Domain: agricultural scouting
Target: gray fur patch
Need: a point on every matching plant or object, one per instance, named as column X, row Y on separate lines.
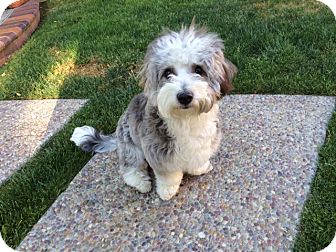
column 99, row 143
column 142, row 128
column 158, row 144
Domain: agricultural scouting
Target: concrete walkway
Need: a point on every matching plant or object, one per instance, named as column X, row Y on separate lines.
column 26, row 125
column 251, row 201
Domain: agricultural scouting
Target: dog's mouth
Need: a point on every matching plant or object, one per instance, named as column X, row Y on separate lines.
column 185, row 106
column 186, row 109
column 182, row 111
column 189, row 106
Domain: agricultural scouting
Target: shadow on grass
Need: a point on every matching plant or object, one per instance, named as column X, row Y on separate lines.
column 92, row 50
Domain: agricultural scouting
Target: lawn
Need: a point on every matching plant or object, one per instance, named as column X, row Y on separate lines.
column 93, row 49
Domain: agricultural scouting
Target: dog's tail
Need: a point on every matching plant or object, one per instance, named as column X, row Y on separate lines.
column 90, row 140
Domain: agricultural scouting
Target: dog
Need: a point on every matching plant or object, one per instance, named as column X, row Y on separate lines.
column 173, row 125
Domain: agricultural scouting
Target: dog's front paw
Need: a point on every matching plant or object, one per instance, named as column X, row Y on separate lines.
column 168, row 184
column 207, row 167
column 166, row 192
column 138, row 180
column 144, row 187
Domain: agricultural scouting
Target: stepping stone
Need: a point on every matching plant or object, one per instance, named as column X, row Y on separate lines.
column 26, row 125
column 251, row 201
column 17, row 27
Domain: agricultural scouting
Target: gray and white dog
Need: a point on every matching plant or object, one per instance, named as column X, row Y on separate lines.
column 172, row 126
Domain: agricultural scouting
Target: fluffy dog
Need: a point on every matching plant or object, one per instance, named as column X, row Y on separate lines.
column 172, row 126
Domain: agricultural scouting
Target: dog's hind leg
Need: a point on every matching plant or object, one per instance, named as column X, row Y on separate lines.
column 133, row 167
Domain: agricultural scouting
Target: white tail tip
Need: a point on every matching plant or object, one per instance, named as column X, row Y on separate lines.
column 81, row 134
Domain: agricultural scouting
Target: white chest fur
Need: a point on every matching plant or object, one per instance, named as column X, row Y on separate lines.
column 194, row 140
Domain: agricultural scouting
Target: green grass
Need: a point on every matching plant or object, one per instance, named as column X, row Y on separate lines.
column 318, row 219
column 93, row 49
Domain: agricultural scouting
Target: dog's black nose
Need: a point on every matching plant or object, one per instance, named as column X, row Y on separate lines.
column 185, row 97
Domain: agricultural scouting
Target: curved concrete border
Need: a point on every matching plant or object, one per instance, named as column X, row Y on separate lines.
column 15, row 31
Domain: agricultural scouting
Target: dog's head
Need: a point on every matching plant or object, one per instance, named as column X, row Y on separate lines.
column 186, row 73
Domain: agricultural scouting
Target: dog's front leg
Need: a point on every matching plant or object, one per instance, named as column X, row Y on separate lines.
column 168, row 183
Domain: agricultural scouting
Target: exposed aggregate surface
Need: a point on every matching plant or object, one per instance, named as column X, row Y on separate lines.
column 26, row 125
column 250, row 201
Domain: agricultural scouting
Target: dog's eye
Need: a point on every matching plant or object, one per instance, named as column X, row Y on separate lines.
column 199, row 70
column 167, row 73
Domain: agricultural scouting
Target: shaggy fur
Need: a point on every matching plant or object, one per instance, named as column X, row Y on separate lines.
column 173, row 125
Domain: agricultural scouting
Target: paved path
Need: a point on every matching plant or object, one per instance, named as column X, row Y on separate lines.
column 251, row 201
column 26, row 125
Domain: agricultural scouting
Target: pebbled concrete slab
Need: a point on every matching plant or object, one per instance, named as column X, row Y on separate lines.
column 26, row 125
column 251, row 201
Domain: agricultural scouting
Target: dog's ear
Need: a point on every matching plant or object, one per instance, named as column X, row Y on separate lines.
column 222, row 73
column 230, row 71
column 143, row 75
column 147, row 75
